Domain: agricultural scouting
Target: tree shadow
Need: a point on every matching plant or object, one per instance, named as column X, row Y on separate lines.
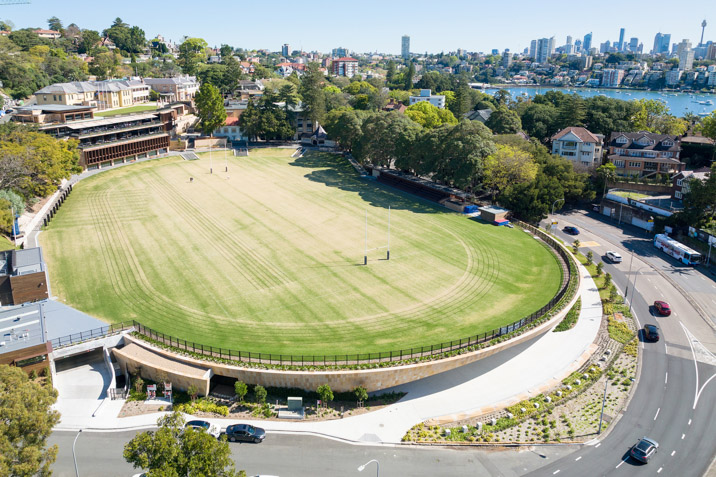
column 335, row 171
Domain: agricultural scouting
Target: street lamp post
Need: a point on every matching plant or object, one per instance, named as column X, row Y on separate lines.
column 604, row 400
column 377, row 471
column 74, row 456
column 631, row 260
column 551, row 226
column 633, row 287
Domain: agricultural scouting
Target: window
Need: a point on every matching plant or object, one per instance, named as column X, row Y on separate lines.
column 586, row 153
column 568, row 153
column 619, row 151
column 622, row 140
column 619, row 163
column 667, row 142
column 634, row 164
column 680, row 182
column 678, row 194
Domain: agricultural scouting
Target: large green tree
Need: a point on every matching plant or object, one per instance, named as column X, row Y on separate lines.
column 504, row 121
column 175, row 451
column 210, row 108
column 26, row 421
column 127, row 39
column 429, row 116
column 700, row 201
column 653, row 116
column 539, row 120
column 506, row 167
column 345, row 126
column 314, row 98
column 192, row 51
column 382, row 141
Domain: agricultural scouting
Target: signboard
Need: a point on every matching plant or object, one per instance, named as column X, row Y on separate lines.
column 168, row 391
column 152, row 391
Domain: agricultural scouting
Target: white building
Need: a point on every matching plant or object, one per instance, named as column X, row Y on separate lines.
column 673, row 77
column 612, row 77
column 426, row 95
column 578, row 145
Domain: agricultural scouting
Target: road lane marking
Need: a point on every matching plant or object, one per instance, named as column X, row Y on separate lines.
column 666, row 350
column 682, row 436
column 659, row 471
column 597, row 445
column 689, row 421
column 666, row 378
column 657, row 413
column 577, row 459
column 672, row 453
column 620, row 464
column 704, row 355
column 555, row 472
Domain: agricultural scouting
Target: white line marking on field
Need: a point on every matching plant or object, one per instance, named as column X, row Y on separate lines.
column 659, row 471
column 597, row 445
column 672, row 453
column 689, row 421
column 657, row 413
column 577, row 459
column 555, row 472
column 682, row 436
column 666, row 378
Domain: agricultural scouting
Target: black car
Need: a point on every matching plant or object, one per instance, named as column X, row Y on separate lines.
column 245, row 433
column 571, row 230
column 651, row 333
column 644, row 449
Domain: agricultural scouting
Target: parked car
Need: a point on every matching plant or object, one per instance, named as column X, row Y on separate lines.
column 662, row 308
column 596, row 207
column 644, row 449
column 245, row 433
column 571, row 230
column 204, row 426
column 651, row 332
column 614, row 257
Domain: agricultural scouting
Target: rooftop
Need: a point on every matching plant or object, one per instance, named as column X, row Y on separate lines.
column 21, row 327
column 582, row 134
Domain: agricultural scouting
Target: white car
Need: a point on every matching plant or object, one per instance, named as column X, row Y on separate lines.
column 614, row 257
column 204, row 426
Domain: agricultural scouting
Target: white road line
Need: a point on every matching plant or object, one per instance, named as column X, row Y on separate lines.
column 672, row 453
column 689, row 421
column 648, row 279
column 682, row 436
column 620, row 464
column 577, row 459
column 555, row 472
column 713, row 301
column 657, row 413
column 666, row 350
column 659, row 471
column 666, row 378
column 597, row 445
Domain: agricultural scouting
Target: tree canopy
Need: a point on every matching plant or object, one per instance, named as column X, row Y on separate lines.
column 504, row 121
column 429, row 116
column 26, row 421
column 191, row 52
column 210, row 108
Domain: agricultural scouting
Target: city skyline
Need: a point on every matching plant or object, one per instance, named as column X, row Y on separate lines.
column 452, row 27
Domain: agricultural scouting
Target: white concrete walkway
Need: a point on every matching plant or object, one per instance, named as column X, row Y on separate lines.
column 444, row 397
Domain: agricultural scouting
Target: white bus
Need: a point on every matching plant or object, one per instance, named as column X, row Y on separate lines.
column 677, row 250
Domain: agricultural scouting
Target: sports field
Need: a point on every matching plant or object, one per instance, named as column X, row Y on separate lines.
column 269, row 257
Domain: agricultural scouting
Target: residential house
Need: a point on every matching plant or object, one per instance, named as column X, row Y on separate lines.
column 579, row 146
column 248, row 85
column 680, row 182
column 48, row 34
column 394, row 105
column 643, row 154
column 180, row 88
column 77, row 93
column 5, row 33
column 231, row 130
column 437, row 100
column 481, row 115
column 345, row 66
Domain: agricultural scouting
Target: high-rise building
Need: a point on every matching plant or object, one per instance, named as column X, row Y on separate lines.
column 620, row 46
column 605, row 47
column 533, row 49
column 569, row 47
column 633, row 44
column 552, row 45
column 577, row 46
column 686, row 55
column 662, row 41
column 543, row 50
column 285, row 50
column 587, row 44
column 506, row 59
column 405, row 47
column 339, row 52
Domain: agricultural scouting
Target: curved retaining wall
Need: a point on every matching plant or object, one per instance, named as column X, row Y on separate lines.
column 341, row 380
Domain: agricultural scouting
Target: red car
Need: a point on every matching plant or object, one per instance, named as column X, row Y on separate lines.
column 662, row 308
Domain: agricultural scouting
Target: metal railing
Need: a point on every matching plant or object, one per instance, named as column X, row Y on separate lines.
column 569, row 276
column 76, row 338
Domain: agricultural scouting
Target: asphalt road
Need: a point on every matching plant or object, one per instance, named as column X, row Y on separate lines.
column 100, row 454
column 675, row 401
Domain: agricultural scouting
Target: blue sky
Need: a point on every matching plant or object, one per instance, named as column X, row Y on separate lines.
column 373, row 25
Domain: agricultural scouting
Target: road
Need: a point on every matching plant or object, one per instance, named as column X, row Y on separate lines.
column 100, row 454
column 675, row 400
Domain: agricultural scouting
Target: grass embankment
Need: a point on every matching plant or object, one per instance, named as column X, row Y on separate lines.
column 131, row 109
column 269, row 257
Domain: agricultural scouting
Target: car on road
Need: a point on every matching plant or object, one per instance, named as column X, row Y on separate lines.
column 644, row 449
column 245, row 433
column 662, row 308
column 614, row 257
column 571, row 230
column 651, row 332
column 203, row 426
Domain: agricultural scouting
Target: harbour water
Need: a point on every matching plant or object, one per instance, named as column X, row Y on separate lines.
column 679, row 103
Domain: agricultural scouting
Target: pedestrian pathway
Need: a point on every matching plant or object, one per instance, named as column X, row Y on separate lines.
column 467, row 391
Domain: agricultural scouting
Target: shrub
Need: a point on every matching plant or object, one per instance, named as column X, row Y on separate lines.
column 240, row 389
column 138, row 384
column 324, row 390
column 607, row 280
column 575, row 246
column 600, row 269
column 193, row 391
column 619, row 331
column 590, row 257
column 361, row 394
column 260, row 394
column 571, row 318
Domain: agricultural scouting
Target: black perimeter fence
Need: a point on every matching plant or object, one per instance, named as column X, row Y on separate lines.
column 568, row 277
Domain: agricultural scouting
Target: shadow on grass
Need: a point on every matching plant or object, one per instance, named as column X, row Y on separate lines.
column 335, row 171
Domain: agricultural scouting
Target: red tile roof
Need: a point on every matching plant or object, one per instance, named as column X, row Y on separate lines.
column 231, row 121
column 581, row 133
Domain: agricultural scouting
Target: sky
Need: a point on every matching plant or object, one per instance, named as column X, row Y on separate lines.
column 377, row 26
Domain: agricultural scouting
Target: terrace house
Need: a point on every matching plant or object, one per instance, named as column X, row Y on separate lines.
column 644, row 154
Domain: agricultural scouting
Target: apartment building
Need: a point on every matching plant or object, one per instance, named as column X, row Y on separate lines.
column 180, row 88
column 579, row 145
column 344, row 67
column 426, row 95
column 644, row 154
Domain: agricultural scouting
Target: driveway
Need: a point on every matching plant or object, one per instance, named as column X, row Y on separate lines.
column 82, row 383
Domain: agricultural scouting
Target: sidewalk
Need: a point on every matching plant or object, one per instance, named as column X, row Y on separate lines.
column 467, row 391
